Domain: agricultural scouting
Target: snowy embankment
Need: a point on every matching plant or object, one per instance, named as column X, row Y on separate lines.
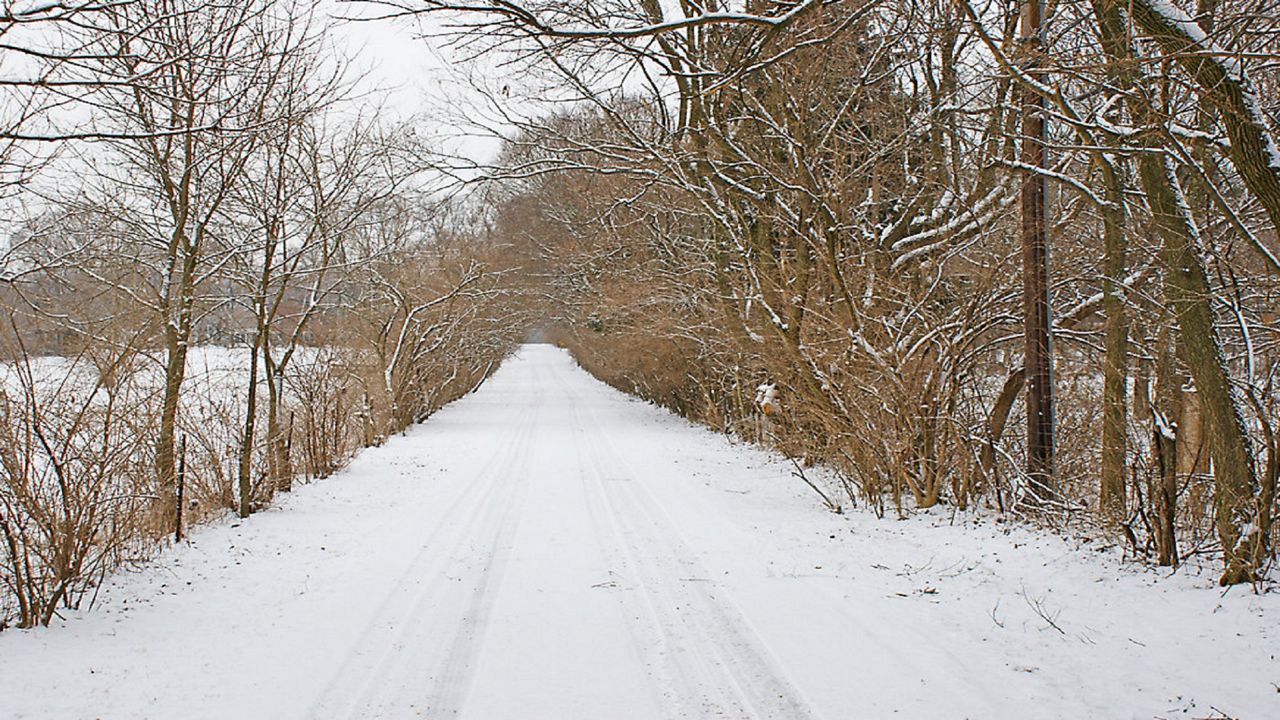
column 548, row 548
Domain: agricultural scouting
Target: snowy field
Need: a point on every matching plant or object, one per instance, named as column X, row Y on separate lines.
column 549, row 549
column 216, row 377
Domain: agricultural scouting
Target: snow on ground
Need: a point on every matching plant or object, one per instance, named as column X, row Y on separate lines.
column 548, row 548
column 213, row 371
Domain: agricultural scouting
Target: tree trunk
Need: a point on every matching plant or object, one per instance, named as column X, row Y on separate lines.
column 1115, row 413
column 279, row 465
column 1186, row 289
column 1224, row 84
column 177, row 343
column 250, row 418
column 999, row 417
column 1193, row 451
column 1163, row 490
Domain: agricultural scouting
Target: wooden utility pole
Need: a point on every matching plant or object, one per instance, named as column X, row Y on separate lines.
column 1035, row 262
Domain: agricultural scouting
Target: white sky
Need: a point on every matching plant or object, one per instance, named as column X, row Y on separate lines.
column 414, row 77
column 396, row 59
column 407, row 76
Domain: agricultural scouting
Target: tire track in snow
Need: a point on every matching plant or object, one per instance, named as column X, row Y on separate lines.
column 418, row 649
column 450, row 685
column 633, row 606
column 708, row 659
column 638, row 517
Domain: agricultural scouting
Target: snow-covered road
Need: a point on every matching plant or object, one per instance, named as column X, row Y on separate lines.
column 548, row 549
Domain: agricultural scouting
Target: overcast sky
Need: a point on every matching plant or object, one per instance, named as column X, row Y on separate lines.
column 419, row 77
column 393, row 54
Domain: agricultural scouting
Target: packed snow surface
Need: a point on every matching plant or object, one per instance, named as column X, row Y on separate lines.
column 549, row 549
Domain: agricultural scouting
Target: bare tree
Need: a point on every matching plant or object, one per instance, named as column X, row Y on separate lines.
column 838, row 222
column 216, row 73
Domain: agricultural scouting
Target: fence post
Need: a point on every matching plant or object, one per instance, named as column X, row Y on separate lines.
column 182, row 483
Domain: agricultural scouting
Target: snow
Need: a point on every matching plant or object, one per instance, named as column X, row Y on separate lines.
column 547, row 548
column 767, row 398
column 1166, row 428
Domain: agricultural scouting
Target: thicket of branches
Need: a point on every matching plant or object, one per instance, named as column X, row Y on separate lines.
column 224, row 276
column 818, row 203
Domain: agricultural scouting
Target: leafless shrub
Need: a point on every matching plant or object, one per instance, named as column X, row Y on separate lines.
column 75, row 482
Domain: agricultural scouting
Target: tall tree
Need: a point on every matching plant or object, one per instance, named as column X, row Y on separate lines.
column 213, row 73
